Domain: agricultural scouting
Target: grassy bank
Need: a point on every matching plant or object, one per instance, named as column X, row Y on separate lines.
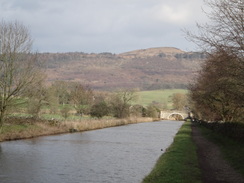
column 179, row 163
column 232, row 150
column 27, row 128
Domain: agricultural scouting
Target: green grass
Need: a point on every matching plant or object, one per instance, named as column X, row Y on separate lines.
column 14, row 128
column 160, row 96
column 232, row 150
column 179, row 164
column 17, row 128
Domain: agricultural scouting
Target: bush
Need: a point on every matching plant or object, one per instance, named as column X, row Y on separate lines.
column 65, row 111
column 152, row 111
column 100, row 109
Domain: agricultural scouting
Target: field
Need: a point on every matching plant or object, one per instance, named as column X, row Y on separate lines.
column 158, row 96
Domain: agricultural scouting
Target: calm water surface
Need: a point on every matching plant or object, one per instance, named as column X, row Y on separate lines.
column 124, row 154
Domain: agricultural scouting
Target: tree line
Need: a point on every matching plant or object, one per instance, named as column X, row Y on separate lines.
column 64, row 97
column 217, row 94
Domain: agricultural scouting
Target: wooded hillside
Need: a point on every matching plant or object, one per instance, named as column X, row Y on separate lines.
column 147, row 69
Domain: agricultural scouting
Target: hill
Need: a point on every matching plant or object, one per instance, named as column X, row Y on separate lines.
column 147, row 69
column 151, row 52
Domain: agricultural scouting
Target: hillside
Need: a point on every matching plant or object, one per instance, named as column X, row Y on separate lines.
column 151, row 52
column 147, row 69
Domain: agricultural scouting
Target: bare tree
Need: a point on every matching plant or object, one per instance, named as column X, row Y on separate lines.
column 19, row 69
column 121, row 102
column 37, row 95
column 218, row 90
column 82, row 98
column 61, row 89
column 225, row 30
column 179, row 101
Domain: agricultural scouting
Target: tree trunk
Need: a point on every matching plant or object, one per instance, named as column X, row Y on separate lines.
column 2, row 114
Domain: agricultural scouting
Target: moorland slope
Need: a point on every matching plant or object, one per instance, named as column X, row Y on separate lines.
column 146, row 69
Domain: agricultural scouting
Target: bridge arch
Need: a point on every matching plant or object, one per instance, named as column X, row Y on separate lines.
column 167, row 114
column 175, row 113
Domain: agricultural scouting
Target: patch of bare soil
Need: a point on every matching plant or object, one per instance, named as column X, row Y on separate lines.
column 214, row 168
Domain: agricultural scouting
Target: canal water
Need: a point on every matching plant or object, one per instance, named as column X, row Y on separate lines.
column 124, row 154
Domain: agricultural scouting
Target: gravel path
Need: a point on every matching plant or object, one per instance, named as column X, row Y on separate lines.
column 214, row 168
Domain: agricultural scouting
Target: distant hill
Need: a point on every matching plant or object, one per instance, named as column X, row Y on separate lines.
column 151, row 52
column 147, row 69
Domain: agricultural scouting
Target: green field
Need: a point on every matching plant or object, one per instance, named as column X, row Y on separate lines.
column 158, row 96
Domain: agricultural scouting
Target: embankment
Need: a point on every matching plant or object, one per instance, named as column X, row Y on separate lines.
column 24, row 128
column 179, row 163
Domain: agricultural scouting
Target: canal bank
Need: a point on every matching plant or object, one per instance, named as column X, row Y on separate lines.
column 179, row 163
column 199, row 155
column 24, row 128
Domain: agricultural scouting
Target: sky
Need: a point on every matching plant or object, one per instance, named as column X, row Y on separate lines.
column 96, row 26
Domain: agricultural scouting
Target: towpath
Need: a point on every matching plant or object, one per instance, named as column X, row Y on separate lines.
column 214, row 168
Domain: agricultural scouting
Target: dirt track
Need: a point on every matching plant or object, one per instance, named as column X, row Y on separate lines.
column 214, row 168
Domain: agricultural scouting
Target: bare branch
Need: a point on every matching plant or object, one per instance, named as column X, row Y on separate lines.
column 18, row 67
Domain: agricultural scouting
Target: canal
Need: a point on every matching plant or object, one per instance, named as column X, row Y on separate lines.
column 111, row 155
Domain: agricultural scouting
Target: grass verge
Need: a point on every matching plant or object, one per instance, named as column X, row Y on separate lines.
column 231, row 149
column 179, row 164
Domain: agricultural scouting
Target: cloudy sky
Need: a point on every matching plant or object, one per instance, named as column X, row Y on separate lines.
column 95, row 26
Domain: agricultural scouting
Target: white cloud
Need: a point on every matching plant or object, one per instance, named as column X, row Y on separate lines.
column 178, row 12
column 172, row 15
column 107, row 25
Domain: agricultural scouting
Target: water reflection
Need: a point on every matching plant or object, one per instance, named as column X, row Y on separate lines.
column 119, row 154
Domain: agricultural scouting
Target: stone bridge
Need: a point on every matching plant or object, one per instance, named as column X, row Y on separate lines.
column 176, row 115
